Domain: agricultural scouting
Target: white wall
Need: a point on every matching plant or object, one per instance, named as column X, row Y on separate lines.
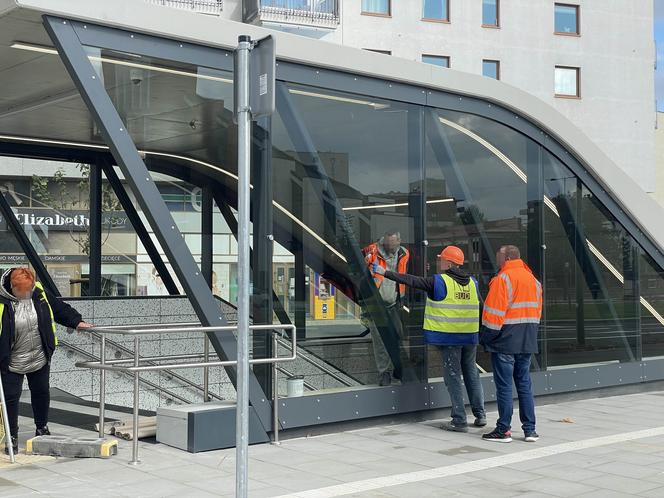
column 615, row 52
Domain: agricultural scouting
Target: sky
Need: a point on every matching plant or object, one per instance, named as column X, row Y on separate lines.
column 659, row 37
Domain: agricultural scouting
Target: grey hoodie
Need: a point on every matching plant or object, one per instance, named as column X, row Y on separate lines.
column 27, row 350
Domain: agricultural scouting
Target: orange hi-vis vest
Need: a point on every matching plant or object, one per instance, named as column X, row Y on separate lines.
column 514, row 298
column 373, row 255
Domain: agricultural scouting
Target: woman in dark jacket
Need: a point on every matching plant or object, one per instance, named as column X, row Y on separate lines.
column 27, row 341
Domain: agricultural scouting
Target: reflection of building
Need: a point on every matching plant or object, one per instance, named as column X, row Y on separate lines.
column 497, row 168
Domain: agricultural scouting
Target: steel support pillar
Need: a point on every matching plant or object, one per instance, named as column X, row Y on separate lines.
column 95, row 233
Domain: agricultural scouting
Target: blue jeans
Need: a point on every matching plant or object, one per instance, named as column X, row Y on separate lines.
column 458, row 360
column 505, row 368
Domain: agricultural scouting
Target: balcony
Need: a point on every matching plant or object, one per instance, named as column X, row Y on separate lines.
column 213, row 7
column 315, row 13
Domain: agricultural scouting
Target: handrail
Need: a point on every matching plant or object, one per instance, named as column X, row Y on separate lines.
column 148, row 383
column 175, row 375
column 139, row 364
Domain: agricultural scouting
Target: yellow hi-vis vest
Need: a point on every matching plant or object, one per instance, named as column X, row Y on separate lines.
column 458, row 313
column 39, row 286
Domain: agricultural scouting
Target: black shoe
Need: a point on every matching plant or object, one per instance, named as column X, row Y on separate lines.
column 498, row 437
column 385, row 379
column 43, row 431
column 531, row 437
column 480, row 422
column 449, row 426
column 14, row 445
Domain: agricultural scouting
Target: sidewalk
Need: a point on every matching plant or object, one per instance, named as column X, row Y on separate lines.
column 595, row 453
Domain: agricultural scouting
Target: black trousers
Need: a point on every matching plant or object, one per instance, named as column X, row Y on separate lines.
column 39, row 393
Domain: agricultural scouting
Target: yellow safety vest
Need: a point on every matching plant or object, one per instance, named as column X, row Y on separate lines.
column 39, row 286
column 458, row 313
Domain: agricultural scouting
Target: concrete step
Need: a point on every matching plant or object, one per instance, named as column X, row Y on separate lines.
column 71, row 447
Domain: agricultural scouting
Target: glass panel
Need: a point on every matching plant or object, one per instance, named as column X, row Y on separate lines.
column 490, row 69
column 346, row 184
column 436, row 60
column 490, row 12
column 652, row 307
column 436, row 10
column 477, row 195
column 376, row 6
column 51, row 201
column 566, row 81
column 566, row 18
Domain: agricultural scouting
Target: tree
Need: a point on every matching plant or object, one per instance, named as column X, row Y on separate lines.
column 56, row 193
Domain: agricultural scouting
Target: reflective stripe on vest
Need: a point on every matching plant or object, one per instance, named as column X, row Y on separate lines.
column 458, row 313
column 2, row 311
column 39, row 286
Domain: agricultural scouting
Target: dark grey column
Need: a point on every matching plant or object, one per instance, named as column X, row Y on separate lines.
column 95, row 234
column 149, row 198
column 207, row 246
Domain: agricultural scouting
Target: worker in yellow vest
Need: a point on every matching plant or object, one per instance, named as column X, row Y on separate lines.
column 28, row 317
column 451, row 322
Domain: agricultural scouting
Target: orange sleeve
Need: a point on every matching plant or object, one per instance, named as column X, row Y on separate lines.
column 496, row 303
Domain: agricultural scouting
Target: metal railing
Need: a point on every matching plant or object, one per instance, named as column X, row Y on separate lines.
column 315, row 12
column 136, row 365
column 201, row 6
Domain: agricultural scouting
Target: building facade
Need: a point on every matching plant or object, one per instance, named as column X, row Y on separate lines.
column 591, row 60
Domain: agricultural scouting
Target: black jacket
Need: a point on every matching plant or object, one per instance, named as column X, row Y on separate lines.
column 62, row 313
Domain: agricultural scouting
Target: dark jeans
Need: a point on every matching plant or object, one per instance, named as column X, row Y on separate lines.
column 458, row 360
column 39, row 393
column 505, row 368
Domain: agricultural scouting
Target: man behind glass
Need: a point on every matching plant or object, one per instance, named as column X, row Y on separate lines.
column 388, row 254
column 451, row 322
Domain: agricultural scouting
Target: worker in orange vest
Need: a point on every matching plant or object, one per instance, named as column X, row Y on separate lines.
column 388, row 253
column 510, row 324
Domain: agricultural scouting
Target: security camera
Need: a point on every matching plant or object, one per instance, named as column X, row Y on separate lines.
column 136, row 76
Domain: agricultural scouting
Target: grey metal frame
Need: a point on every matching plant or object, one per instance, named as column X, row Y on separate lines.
column 147, row 195
column 410, row 397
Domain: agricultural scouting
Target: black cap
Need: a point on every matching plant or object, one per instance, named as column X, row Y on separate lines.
column 244, row 38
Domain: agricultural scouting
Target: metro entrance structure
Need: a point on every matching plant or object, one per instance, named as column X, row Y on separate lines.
column 360, row 145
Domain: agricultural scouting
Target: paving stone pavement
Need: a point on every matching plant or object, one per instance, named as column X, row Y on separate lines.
column 613, row 447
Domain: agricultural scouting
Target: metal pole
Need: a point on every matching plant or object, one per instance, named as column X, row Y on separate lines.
column 206, row 370
column 102, row 386
column 134, row 440
column 275, row 390
column 5, row 418
column 243, row 169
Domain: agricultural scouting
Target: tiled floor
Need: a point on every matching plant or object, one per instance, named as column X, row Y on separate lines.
column 614, row 447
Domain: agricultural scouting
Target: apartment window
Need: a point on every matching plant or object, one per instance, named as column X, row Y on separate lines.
column 436, row 10
column 491, row 69
column 491, row 13
column 567, row 81
column 566, row 19
column 384, row 52
column 376, row 7
column 436, row 60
